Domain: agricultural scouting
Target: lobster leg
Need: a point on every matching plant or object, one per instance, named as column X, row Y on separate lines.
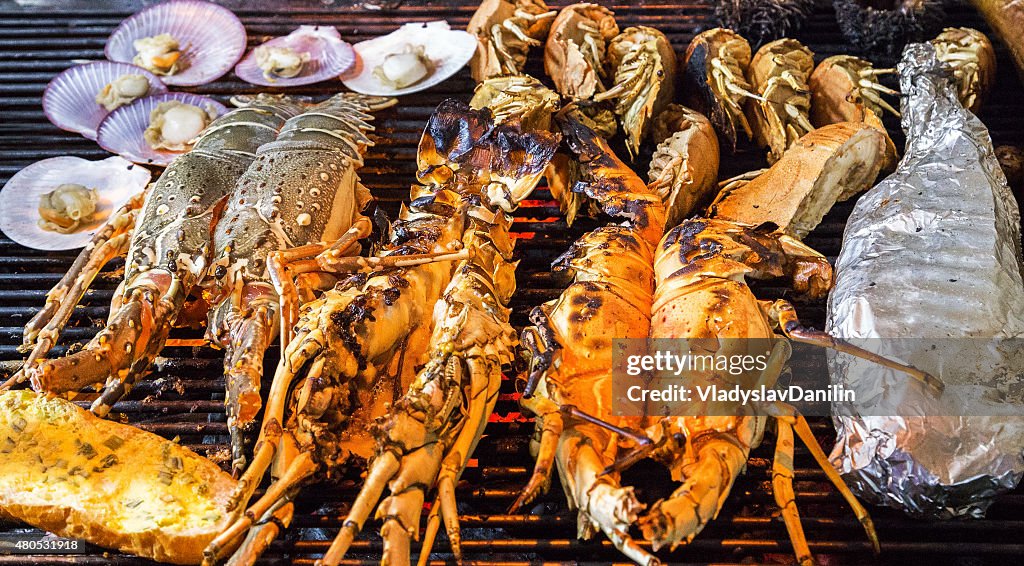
column 788, row 416
column 482, row 397
column 785, row 498
column 600, row 498
column 550, row 425
column 644, row 444
column 283, row 270
column 110, row 241
column 260, row 537
column 785, row 315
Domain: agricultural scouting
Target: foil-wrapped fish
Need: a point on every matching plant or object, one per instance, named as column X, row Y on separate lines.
column 932, row 254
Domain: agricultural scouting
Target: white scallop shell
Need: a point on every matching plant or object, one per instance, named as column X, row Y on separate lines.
column 122, row 131
column 448, row 49
column 69, row 101
column 114, row 178
column 330, row 56
column 212, row 38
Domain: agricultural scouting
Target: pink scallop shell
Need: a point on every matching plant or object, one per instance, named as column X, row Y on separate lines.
column 212, row 38
column 449, row 49
column 330, row 56
column 69, row 101
column 121, row 132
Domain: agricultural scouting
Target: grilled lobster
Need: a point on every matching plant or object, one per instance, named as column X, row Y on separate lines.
column 399, row 364
column 689, row 286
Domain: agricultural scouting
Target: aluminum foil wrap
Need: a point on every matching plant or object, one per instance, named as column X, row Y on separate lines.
column 933, row 252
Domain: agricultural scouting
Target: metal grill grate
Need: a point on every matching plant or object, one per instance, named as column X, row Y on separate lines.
column 183, row 397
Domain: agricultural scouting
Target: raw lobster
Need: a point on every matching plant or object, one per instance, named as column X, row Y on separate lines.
column 301, row 196
column 167, row 234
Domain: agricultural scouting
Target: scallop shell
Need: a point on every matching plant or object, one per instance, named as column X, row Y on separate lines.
column 115, row 179
column 449, row 49
column 69, row 101
column 330, row 56
column 212, row 38
column 121, row 131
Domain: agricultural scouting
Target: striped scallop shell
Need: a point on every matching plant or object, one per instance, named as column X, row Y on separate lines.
column 122, row 131
column 212, row 38
column 70, row 99
column 114, row 178
column 449, row 50
column 330, row 56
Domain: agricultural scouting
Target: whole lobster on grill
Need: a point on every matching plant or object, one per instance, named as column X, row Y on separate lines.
column 691, row 286
column 167, row 234
column 399, row 364
column 301, row 196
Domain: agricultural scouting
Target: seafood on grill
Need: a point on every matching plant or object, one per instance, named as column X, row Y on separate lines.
column 829, row 164
column 684, row 167
column 882, row 27
column 715, row 81
column 301, row 196
column 947, row 456
column 412, row 58
column 763, row 20
column 66, row 471
column 308, row 55
column 66, row 208
column 702, row 297
column 157, row 129
column 79, row 98
column 973, row 60
column 160, row 54
column 173, row 125
column 778, row 74
column 630, row 283
column 643, row 71
column 398, row 366
column 115, row 180
column 574, row 54
column 122, row 90
column 187, row 42
column 1006, row 18
column 845, row 88
column 505, row 31
column 609, row 297
column 166, row 234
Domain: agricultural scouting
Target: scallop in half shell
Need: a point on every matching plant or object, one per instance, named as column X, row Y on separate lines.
column 210, row 38
column 123, row 131
column 69, row 101
column 326, row 56
column 114, row 179
column 412, row 58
